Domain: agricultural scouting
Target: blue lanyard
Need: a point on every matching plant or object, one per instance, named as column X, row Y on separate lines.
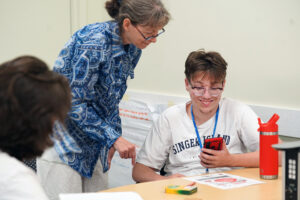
column 196, row 129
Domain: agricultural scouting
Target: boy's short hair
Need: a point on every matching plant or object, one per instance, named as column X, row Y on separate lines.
column 207, row 62
column 31, row 98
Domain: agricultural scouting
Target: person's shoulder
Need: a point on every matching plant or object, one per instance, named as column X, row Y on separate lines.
column 97, row 33
column 231, row 105
column 18, row 180
column 98, row 27
column 174, row 110
column 8, row 162
column 231, row 102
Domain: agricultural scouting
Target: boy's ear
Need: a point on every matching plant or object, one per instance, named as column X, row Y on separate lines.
column 224, row 84
column 186, row 84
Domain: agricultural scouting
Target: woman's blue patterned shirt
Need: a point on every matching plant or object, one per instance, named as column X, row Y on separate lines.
column 97, row 66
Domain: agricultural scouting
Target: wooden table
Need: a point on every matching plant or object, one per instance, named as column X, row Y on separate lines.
column 271, row 189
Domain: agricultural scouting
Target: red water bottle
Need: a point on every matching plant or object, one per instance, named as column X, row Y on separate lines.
column 268, row 157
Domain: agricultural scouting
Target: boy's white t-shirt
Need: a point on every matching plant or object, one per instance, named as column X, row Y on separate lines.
column 173, row 140
column 18, row 182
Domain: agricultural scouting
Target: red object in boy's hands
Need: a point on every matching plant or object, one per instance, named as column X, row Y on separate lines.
column 213, row 143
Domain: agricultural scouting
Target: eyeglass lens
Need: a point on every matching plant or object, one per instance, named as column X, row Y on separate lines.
column 199, row 91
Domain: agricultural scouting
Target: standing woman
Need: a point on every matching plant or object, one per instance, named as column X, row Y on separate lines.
column 97, row 61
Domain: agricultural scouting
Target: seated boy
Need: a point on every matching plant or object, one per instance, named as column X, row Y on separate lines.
column 31, row 98
column 173, row 141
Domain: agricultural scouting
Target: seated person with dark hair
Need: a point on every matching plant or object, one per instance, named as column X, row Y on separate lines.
column 177, row 137
column 32, row 98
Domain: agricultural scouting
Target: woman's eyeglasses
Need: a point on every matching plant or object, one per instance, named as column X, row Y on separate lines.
column 151, row 37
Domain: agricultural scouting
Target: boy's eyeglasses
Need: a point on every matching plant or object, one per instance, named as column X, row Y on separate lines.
column 200, row 91
column 151, row 37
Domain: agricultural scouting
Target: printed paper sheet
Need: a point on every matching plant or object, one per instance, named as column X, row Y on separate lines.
column 224, row 181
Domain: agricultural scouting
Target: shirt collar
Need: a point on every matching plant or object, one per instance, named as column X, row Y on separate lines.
column 117, row 44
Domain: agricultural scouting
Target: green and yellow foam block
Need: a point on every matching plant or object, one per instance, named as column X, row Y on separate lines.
column 181, row 189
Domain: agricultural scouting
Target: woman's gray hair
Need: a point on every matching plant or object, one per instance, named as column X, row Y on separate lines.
column 143, row 12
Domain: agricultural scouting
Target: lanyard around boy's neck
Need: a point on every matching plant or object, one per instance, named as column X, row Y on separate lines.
column 196, row 129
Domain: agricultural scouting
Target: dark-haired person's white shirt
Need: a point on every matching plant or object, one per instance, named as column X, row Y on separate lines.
column 17, row 181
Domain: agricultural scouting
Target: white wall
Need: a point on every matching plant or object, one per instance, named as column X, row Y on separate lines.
column 34, row 27
column 260, row 40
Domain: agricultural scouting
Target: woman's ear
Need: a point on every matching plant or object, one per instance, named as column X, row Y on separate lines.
column 126, row 24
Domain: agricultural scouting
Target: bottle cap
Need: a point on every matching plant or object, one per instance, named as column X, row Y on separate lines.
column 270, row 126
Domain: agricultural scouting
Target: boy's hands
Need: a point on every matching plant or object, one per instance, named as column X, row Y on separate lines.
column 215, row 158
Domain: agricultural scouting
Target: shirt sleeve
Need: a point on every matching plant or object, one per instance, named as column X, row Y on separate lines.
column 80, row 64
column 249, row 133
column 92, row 123
column 155, row 150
